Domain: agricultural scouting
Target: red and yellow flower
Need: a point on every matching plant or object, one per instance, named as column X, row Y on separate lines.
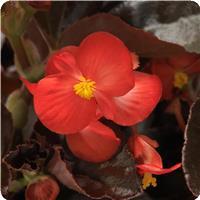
column 83, row 83
column 148, row 159
column 175, row 72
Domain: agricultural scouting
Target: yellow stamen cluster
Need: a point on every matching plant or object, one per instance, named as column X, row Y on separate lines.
column 180, row 79
column 85, row 88
column 148, row 180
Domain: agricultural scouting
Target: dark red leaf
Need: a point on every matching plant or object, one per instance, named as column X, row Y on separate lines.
column 143, row 43
column 7, row 130
column 44, row 136
column 65, row 13
column 30, row 156
column 114, row 179
column 10, row 83
column 191, row 150
column 5, row 178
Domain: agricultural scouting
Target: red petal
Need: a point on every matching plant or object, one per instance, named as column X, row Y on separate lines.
column 105, row 104
column 138, row 103
column 156, row 170
column 166, row 75
column 148, row 140
column 59, row 108
column 103, row 58
column 183, row 61
column 143, row 152
column 95, row 143
column 30, row 86
column 63, row 60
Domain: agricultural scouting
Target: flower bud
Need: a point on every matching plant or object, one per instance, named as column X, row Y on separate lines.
column 44, row 188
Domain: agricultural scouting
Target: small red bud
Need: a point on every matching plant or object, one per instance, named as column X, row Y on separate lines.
column 44, row 188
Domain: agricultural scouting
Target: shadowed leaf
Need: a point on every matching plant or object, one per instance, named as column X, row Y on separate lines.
column 114, row 179
column 143, row 43
column 5, row 178
column 62, row 14
column 44, row 136
column 10, row 83
column 30, row 156
column 23, row 165
column 191, row 150
column 7, row 130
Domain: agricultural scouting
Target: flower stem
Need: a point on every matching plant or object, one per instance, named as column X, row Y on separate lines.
column 179, row 116
column 175, row 108
column 19, row 50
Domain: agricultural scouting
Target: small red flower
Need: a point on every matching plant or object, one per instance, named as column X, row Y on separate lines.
column 148, row 159
column 84, row 83
column 175, row 72
column 44, row 188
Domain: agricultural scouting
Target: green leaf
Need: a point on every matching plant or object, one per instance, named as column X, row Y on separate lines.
column 28, row 177
column 17, row 185
column 28, row 42
column 18, row 108
column 15, row 18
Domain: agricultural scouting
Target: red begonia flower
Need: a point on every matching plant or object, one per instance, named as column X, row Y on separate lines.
column 148, row 159
column 95, row 143
column 95, row 78
column 174, row 72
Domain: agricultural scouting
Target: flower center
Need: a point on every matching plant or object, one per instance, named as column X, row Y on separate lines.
column 85, row 88
column 148, row 180
column 180, row 79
